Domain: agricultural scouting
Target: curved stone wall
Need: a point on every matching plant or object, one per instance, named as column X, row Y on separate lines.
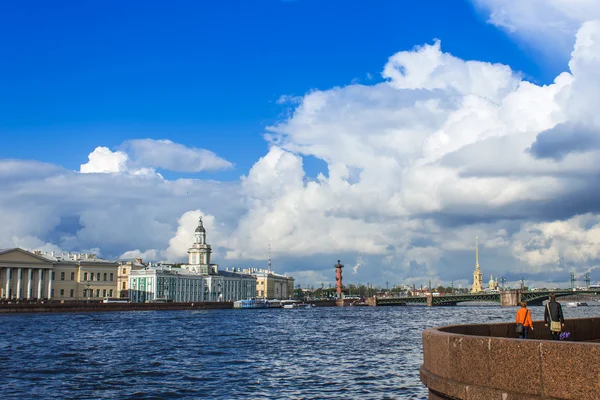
column 481, row 362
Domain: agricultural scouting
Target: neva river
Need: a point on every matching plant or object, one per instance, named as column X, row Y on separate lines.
column 324, row 353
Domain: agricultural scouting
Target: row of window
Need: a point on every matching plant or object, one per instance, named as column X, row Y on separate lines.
column 108, row 277
column 96, row 277
column 90, row 293
column 85, row 293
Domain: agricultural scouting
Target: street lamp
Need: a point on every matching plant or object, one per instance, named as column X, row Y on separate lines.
column 87, row 285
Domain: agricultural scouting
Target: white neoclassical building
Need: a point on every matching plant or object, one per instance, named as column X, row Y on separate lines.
column 199, row 280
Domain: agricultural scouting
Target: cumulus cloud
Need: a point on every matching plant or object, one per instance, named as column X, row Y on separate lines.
column 564, row 139
column 442, row 143
column 142, row 156
column 549, row 25
column 172, row 156
column 116, row 212
column 103, row 160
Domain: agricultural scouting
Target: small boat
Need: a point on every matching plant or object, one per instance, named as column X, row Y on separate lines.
column 303, row 305
column 296, row 304
column 576, row 304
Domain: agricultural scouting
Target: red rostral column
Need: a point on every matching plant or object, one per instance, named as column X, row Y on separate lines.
column 338, row 279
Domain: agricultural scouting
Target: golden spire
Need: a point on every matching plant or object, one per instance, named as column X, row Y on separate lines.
column 476, row 253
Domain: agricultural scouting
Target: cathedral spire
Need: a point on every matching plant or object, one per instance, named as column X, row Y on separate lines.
column 476, row 253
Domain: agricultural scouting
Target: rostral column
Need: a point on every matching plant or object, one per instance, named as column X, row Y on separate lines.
column 338, row 279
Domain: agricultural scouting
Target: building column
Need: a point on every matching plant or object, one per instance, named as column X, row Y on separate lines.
column 40, row 283
column 49, row 284
column 18, row 288
column 29, row 278
column 7, row 290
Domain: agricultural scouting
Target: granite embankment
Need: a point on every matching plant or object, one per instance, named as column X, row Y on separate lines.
column 94, row 306
column 486, row 361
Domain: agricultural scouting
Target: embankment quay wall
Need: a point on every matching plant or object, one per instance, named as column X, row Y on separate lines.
column 476, row 362
column 82, row 306
column 96, row 306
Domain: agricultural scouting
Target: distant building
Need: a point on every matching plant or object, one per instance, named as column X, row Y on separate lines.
column 199, row 280
column 270, row 285
column 125, row 268
column 477, row 275
column 163, row 282
column 28, row 275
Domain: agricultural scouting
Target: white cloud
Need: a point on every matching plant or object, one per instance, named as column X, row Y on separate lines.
column 173, row 156
column 561, row 244
column 142, row 156
column 103, row 160
column 547, row 24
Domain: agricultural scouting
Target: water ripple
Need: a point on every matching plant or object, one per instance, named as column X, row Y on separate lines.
column 325, row 353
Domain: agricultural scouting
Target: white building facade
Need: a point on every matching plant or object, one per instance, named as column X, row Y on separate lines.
column 199, row 280
column 166, row 283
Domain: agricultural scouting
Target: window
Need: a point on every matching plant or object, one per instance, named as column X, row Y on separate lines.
column 110, row 293
column 98, row 276
column 72, row 276
column 124, row 285
column 62, row 276
column 124, row 271
column 72, row 293
column 112, row 277
column 85, row 276
column 98, row 291
column 103, row 292
column 62, row 292
column 105, row 277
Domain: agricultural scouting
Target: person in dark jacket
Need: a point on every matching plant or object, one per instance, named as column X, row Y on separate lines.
column 555, row 314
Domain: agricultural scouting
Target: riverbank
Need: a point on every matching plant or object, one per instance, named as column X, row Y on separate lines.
column 82, row 306
column 99, row 307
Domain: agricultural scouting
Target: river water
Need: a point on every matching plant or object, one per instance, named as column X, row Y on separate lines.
column 319, row 353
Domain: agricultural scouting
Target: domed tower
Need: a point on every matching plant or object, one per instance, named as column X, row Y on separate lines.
column 199, row 253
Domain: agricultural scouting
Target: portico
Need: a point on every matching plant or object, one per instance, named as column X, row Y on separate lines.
column 24, row 275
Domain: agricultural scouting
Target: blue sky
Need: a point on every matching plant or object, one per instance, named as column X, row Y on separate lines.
column 148, row 114
column 205, row 73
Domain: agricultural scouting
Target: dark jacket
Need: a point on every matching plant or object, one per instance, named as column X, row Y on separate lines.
column 555, row 312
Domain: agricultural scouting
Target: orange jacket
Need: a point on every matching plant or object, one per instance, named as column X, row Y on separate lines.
column 521, row 317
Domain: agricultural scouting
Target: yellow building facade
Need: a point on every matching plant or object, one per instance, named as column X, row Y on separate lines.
column 26, row 275
column 270, row 285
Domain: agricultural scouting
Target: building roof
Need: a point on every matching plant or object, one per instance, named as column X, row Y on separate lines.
column 200, row 227
column 234, row 274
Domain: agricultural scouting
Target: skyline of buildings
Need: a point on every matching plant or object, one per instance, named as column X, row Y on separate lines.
column 35, row 274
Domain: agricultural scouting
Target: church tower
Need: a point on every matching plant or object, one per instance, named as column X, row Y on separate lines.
column 477, row 275
column 199, row 253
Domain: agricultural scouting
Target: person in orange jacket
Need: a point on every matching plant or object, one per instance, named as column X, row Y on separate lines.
column 524, row 318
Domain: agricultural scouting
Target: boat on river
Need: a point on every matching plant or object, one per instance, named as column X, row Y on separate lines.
column 576, row 304
column 295, row 304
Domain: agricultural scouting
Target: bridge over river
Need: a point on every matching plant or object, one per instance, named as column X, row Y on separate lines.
column 508, row 298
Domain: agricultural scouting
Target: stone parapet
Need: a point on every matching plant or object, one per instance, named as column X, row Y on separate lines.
column 475, row 362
